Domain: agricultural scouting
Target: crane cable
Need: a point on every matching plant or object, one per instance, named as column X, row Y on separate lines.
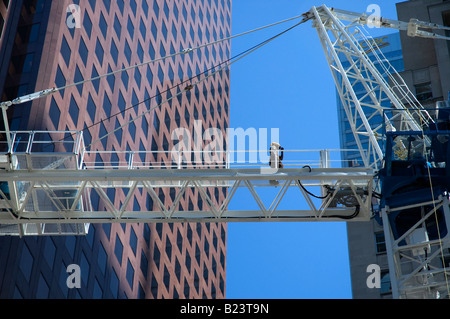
column 422, row 123
column 435, row 212
column 185, row 51
column 191, row 86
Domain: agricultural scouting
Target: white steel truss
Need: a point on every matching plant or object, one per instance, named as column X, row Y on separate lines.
column 50, row 188
column 351, row 66
column 419, row 266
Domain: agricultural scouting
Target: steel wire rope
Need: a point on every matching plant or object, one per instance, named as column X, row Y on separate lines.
column 435, row 212
column 185, row 51
column 188, row 88
column 422, row 123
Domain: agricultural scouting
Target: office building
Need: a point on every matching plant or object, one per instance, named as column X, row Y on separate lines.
column 424, row 68
column 47, row 44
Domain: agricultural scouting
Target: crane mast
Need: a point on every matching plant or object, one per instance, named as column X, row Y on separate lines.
column 51, row 186
column 409, row 150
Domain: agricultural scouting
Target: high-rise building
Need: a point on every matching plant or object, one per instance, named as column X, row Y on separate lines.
column 424, row 65
column 47, row 44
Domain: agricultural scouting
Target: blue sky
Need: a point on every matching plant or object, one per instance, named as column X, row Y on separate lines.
column 287, row 84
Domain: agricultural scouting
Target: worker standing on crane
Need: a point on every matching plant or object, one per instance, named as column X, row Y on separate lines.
column 275, row 157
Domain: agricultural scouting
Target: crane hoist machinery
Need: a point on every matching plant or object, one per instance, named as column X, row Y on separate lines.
column 48, row 182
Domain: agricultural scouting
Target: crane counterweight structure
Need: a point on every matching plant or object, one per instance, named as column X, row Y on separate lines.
column 49, row 186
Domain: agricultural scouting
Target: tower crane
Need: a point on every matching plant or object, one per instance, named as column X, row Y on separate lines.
column 47, row 183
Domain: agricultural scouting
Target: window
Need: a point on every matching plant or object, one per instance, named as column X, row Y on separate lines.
column 186, row 289
column 164, row 30
column 106, row 227
column 117, row 25
column 98, row 292
column 144, row 126
column 107, row 4
column 197, row 253
column 177, row 269
column 130, row 274
column 118, row 250
column 92, row 4
column 102, row 258
column 154, row 30
column 99, row 52
column 160, row 74
column 114, row 284
column 196, row 281
column 132, row 130
column 222, row 284
column 156, row 255
column 144, row 264
column 205, row 272
column 114, row 51
column 60, row 80
column 424, row 91
column 84, row 267
column 95, row 83
column 130, row 28
column 26, row 262
column 42, row 288
column 380, row 242
column 127, row 52
column 55, row 113
column 111, row 79
column 166, row 278
column 107, row 105
column 137, row 77
column 187, row 262
column 91, row 108
column 87, row 24
column 65, row 51
column 120, row 4
column 156, row 124
column 83, row 51
column 168, row 248
column 118, row 131
column 133, row 6
column 78, row 78
column 125, row 79
column 151, row 51
column 142, row 29
column 74, row 110
column 145, row 7
column 133, row 240
column 386, row 287
column 154, row 287
column 140, row 52
column 141, row 292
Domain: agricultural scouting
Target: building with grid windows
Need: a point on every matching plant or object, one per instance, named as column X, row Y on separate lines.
column 47, row 44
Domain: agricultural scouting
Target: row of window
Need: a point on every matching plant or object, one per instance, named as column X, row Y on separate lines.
column 50, row 254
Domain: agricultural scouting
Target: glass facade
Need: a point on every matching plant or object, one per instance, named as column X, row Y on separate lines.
column 180, row 260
